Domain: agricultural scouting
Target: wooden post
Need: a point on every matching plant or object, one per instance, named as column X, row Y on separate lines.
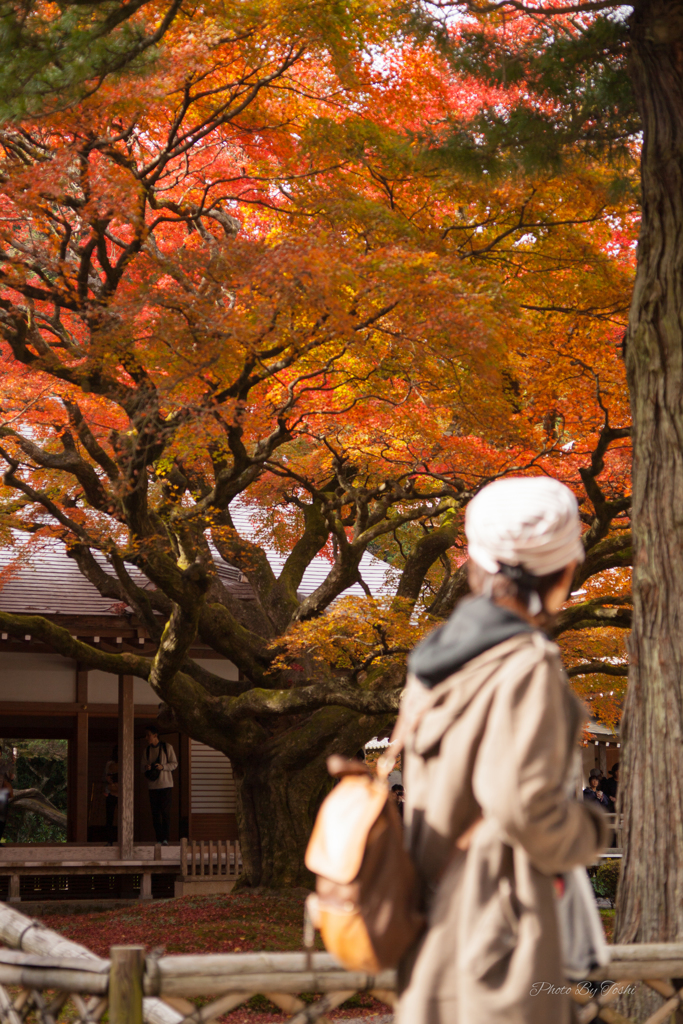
column 146, row 886
column 127, row 767
column 125, row 983
column 183, row 781
column 15, row 888
column 71, row 789
column 80, row 803
column 602, row 758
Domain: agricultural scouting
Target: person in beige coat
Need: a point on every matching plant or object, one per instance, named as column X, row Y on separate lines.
column 492, row 735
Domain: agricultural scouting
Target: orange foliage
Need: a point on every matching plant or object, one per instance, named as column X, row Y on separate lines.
column 254, row 283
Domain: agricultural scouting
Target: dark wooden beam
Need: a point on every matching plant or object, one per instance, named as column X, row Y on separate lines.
column 81, row 778
column 126, row 766
column 81, row 740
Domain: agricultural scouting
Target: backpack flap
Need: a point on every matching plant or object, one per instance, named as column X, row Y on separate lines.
column 338, row 842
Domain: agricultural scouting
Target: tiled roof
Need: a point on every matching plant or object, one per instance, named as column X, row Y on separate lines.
column 48, row 582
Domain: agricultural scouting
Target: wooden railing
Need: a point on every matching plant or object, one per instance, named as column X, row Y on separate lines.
column 219, row 858
column 615, row 824
column 43, row 974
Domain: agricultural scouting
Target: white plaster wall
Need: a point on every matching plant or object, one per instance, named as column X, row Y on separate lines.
column 49, row 677
column 219, row 667
column 103, row 688
column 212, row 786
column 143, row 693
column 37, row 677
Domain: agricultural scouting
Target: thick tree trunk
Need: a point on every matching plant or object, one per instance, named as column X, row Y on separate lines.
column 275, row 811
column 650, row 907
column 280, row 790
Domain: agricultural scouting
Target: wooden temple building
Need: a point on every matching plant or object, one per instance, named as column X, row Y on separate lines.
column 46, row 696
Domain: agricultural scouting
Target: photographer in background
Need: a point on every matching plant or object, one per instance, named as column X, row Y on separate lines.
column 593, row 792
column 158, row 761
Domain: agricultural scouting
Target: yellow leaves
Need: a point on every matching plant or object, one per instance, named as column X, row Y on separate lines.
column 355, row 636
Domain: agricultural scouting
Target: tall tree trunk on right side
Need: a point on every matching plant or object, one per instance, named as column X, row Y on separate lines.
column 650, row 903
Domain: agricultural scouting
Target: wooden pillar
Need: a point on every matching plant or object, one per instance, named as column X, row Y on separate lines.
column 602, row 758
column 80, row 832
column 183, row 776
column 71, row 789
column 146, row 886
column 126, row 767
column 125, row 978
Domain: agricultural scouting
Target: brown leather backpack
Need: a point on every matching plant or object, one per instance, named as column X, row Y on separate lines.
column 365, row 903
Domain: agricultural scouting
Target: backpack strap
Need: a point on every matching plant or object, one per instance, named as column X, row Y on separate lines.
column 163, row 747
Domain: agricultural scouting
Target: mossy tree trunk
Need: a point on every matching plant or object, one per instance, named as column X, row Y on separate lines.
column 280, row 789
column 649, row 905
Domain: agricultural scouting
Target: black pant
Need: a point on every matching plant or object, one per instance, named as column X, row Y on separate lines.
column 160, row 802
column 110, row 805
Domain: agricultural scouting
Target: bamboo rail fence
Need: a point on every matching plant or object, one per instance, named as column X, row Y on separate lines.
column 51, row 971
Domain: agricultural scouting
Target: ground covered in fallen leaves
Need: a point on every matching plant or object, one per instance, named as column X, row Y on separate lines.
column 231, row 923
column 234, row 923
column 608, row 923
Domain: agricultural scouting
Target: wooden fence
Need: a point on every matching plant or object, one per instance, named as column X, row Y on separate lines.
column 42, row 973
column 219, row 858
column 616, row 822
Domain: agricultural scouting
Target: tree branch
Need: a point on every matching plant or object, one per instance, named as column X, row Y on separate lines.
column 614, row 552
column 180, row 631
column 36, row 802
column 61, row 640
column 425, row 552
column 259, row 702
column 599, row 611
column 597, row 667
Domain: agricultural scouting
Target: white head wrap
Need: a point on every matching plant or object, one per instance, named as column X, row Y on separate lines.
column 532, row 522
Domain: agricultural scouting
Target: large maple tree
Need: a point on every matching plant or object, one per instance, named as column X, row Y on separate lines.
column 243, row 283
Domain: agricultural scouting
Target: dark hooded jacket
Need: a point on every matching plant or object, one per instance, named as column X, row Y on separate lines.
column 476, row 625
